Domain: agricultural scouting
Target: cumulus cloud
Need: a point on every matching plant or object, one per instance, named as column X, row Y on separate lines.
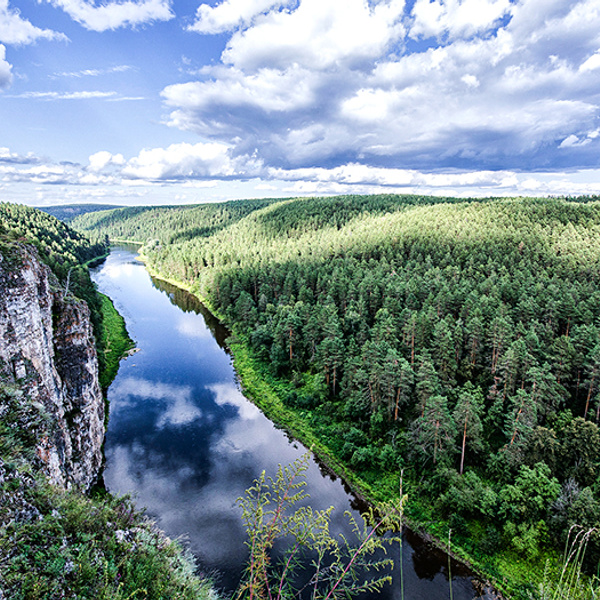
column 190, row 161
column 112, row 15
column 592, row 63
column 6, row 156
column 456, row 18
column 231, row 14
column 318, row 34
column 101, row 160
column 16, row 30
column 326, row 83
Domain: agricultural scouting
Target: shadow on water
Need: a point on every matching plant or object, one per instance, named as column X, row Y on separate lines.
column 187, row 302
column 185, row 442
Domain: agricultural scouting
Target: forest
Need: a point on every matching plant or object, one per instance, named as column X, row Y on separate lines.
column 455, row 341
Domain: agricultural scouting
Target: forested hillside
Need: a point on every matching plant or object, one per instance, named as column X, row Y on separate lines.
column 167, row 224
column 63, row 249
column 457, row 340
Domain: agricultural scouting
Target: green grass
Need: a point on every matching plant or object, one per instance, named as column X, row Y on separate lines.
column 115, row 341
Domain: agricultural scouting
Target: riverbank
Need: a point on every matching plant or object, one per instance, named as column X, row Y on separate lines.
column 115, row 341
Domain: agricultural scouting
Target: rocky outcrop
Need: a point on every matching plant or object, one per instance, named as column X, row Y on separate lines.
column 47, row 349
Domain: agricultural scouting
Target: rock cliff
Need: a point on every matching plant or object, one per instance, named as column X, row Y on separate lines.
column 47, row 349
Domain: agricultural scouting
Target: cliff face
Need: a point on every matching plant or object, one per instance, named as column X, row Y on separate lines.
column 47, row 349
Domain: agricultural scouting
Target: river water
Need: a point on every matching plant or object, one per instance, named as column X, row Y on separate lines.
column 185, row 442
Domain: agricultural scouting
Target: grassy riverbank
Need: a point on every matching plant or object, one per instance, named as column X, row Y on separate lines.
column 114, row 341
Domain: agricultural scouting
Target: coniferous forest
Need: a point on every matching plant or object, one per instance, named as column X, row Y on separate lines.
column 456, row 341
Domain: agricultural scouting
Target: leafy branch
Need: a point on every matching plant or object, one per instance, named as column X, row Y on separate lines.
column 315, row 565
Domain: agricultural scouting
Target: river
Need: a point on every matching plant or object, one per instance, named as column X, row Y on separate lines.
column 185, row 442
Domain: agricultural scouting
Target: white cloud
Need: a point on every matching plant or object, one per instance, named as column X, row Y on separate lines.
column 592, row 63
column 357, row 174
column 470, row 80
column 16, row 30
column 93, row 72
column 101, row 160
column 112, row 15
column 81, row 95
column 271, row 89
column 330, row 81
column 5, row 69
column 573, row 140
column 189, row 174
column 457, row 18
column 231, row 14
column 6, row 156
column 190, row 161
column 84, row 95
column 317, row 35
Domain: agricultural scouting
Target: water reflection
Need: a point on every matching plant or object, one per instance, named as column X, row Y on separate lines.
column 186, row 443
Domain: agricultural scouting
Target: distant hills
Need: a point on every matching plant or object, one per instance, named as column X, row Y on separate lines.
column 67, row 212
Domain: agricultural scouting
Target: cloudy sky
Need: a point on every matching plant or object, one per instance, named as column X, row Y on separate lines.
column 158, row 101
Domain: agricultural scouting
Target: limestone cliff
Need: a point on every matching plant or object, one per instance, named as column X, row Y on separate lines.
column 47, row 349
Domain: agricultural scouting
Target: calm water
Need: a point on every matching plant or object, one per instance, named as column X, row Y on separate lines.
column 184, row 441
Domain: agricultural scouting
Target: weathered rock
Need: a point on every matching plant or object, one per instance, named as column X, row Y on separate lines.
column 47, row 348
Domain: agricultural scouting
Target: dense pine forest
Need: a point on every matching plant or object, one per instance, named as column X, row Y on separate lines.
column 457, row 341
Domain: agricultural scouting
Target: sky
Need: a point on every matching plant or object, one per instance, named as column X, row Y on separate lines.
column 181, row 101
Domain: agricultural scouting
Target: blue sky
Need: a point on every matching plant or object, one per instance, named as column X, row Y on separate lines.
column 161, row 102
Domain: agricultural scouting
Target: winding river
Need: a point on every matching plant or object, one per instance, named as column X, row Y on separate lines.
column 185, row 442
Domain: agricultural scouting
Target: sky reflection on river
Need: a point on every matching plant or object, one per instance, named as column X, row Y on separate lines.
column 184, row 441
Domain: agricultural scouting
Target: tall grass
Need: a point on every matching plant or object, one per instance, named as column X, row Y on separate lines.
column 571, row 583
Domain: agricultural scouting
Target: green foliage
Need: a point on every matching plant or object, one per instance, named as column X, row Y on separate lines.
column 156, row 226
column 67, row 212
column 68, row 252
column 531, row 495
column 570, row 583
column 60, row 247
column 316, row 564
column 115, row 341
